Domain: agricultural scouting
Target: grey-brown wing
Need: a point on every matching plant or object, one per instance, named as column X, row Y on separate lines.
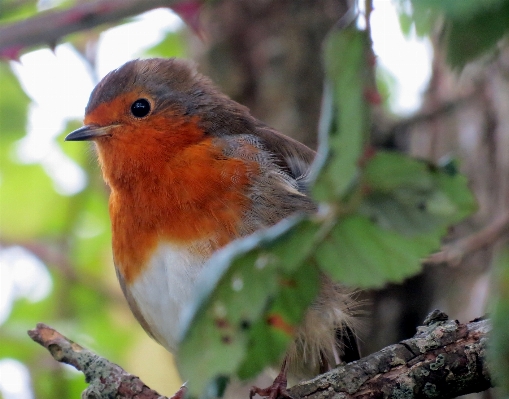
column 280, row 186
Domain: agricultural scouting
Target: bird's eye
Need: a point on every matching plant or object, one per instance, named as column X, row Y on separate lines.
column 140, row 108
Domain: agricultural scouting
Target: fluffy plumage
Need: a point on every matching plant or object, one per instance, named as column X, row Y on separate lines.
column 191, row 176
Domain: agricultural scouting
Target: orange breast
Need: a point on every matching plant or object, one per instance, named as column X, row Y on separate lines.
column 165, row 192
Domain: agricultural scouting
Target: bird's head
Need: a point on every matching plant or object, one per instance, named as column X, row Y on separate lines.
column 148, row 111
column 156, row 102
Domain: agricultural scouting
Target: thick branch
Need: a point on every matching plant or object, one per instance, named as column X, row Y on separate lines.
column 444, row 359
column 49, row 26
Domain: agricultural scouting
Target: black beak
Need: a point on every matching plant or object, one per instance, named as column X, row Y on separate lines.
column 88, row 132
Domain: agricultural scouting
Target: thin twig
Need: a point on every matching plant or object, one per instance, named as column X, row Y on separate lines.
column 50, row 26
column 453, row 253
column 368, row 5
column 388, row 129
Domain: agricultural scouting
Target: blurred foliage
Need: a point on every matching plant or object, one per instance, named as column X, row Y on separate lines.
column 70, row 234
column 171, row 46
column 499, row 346
column 382, row 213
column 15, row 10
column 471, row 27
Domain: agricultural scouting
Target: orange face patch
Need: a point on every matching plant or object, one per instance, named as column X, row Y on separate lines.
column 174, row 185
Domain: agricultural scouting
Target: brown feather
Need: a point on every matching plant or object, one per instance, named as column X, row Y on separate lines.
column 262, row 174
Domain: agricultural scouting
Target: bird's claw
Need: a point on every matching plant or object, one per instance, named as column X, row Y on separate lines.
column 275, row 391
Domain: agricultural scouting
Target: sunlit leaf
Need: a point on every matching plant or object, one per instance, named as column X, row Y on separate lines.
column 29, row 205
column 171, row 46
column 15, row 10
column 13, row 106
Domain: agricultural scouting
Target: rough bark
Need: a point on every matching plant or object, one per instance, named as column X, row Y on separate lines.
column 106, row 379
column 444, row 359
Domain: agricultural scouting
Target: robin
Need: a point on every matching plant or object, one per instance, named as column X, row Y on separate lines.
column 190, row 170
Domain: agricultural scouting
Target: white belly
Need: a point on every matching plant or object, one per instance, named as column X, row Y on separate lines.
column 165, row 287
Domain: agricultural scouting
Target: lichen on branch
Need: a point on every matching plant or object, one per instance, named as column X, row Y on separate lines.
column 444, row 359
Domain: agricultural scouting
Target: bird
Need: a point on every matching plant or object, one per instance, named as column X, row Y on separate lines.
column 190, row 170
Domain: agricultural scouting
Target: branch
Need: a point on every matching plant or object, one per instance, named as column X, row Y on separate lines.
column 106, row 379
column 455, row 252
column 50, row 26
column 388, row 129
column 444, row 359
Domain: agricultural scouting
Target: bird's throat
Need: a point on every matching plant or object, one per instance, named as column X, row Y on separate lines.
column 164, row 199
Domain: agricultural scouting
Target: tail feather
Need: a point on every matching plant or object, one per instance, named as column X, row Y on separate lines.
column 350, row 344
column 328, row 332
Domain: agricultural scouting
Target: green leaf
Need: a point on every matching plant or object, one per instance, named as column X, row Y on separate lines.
column 458, row 9
column 413, row 197
column 454, row 185
column 420, row 17
column 499, row 342
column 13, row 106
column 345, row 121
column 91, row 233
column 387, row 171
column 360, row 253
column 15, row 10
column 469, row 38
column 171, row 46
column 270, row 336
column 473, row 27
column 244, row 285
column 29, row 206
column 396, row 213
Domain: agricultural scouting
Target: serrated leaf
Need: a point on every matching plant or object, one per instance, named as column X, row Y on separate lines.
column 367, row 255
column 345, row 132
column 239, row 286
column 413, row 197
